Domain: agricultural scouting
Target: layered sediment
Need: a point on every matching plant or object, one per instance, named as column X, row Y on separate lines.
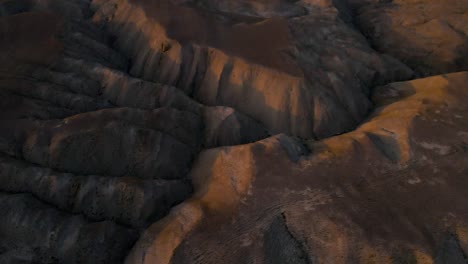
column 138, row 131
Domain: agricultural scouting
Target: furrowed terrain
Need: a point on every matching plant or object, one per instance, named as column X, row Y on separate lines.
column 249, row 131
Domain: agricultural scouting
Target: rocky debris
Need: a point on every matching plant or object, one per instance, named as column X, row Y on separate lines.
column 429, row 36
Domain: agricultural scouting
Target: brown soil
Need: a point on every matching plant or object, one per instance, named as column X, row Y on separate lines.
column 29, row 38
column 266, row 42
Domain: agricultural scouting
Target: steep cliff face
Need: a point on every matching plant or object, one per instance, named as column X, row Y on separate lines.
column 147, row 131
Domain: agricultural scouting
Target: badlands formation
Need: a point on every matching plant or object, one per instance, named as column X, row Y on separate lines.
column 234, row 131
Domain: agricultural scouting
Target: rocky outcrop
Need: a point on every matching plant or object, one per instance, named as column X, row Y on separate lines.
column 90, row 156
column 404, row 168
column 121, row 199
column 146, row 131
column 308, row 75
column 33, row 231
column 429, row 36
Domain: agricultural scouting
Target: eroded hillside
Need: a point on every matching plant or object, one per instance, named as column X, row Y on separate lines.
column 250, row 131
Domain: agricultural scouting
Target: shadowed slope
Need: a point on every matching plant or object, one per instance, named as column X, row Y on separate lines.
column 348, row 201
column 89, row 155
column 251, row 65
